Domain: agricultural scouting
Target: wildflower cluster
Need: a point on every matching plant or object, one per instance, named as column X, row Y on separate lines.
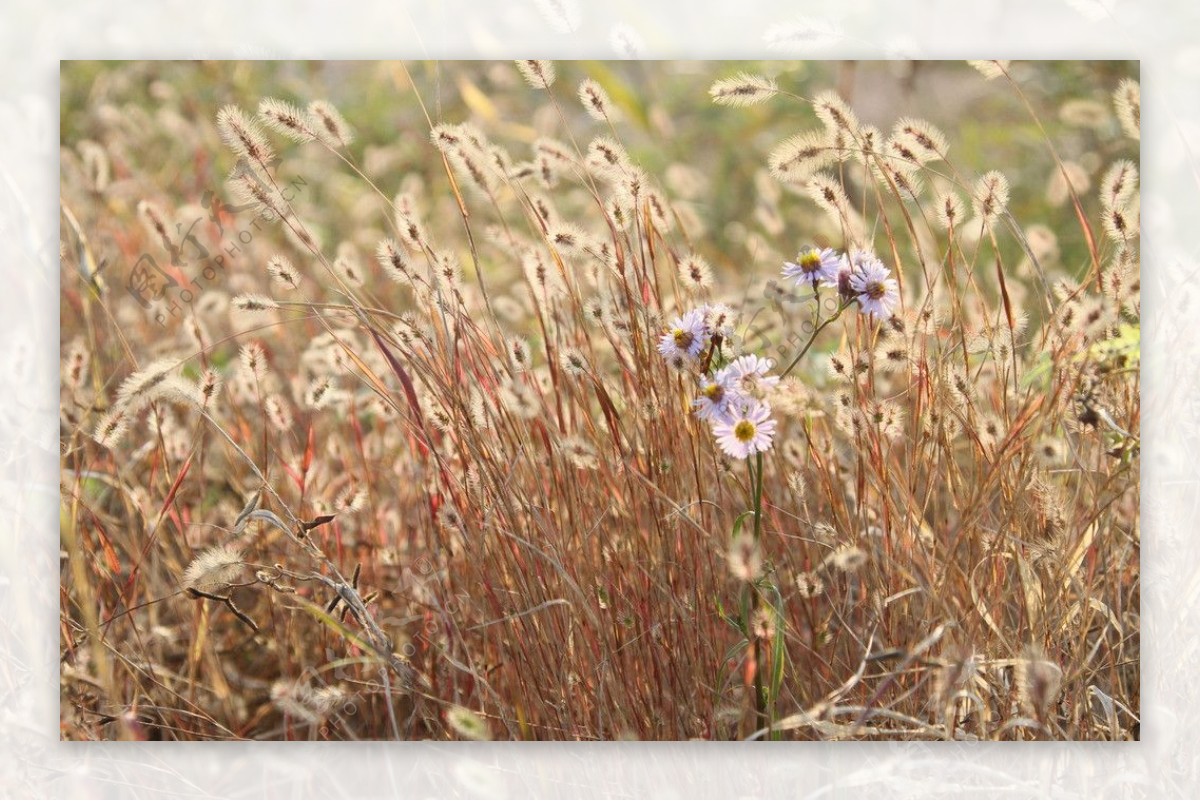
column 860, row 278
column 731, row 399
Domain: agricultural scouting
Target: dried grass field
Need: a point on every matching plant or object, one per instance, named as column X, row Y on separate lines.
column 600, row 400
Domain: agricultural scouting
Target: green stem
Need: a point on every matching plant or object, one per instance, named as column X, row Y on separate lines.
column 760, row 697
column 813, row 338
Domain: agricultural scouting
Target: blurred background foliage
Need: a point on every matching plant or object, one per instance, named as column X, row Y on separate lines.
column 710, row 158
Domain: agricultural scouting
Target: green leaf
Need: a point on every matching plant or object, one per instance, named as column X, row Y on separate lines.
column 1039, row 373
column 740, row 521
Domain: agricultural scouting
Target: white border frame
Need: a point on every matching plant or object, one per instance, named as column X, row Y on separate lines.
column 1159, row 32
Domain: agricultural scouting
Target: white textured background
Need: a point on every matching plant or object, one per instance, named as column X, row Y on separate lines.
column 34, row 36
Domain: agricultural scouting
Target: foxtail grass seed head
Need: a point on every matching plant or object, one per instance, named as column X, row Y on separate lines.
column 348, row 267
column 300, row 701
column 695, row 274
column 320, row 393
column 538, row 74
column 797, row 158
column 868, row 147
column 1120, row 224
column 195, row 332
column 112, row 427
column 96, row 164
column 303, row 237
column 520, row 400
column 519, row 353
column 176, row 389
column 214, row 569
column 1127, row 100
column 1071, row 176
column 569, row 240
column 210, row 388
column 926, row 142
column 476, row 167
column 287, row 119
column 991, row 69
column 596, row 101
column 906, row 182
column 254, row 302
column 244, row 136
column 835, row 113
column 1119, row 184
column 607, row 158
column 252, row 188
column 950, row 209
column 446, row 137
column 762, row 624
column 75, row 365
column 467, row 724
column 593, row 311
column 559, row 154
column 352, row 498
column 1038, row 682
column 720, row 319
column 633, row 187
column 990, row 199
column 137, row 390
column 887, row 418
column 155, row 221
column 283, row 273
column 579, row 453
column 500, row 161
column 661, row 214
column 809, row 585
column 841, row 366
column 745, row 558
column 542, row 277
column 544, row 209
column 329, row 125
column 892, row 356
column 828, row 193
column 449, row 519
column 252, row 361
column 848, row 559
column 573, row 362
column 412, row 232
column 743, row 89
column 901, row 155
column 279, row 413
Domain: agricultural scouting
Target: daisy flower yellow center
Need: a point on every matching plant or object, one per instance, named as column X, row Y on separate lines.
column 745, row 431
column 810, row 262
column 875, row 290
column 683, row 339
column 714, row 392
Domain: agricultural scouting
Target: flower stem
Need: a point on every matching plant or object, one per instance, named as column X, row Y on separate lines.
column 760, row 697
column 841, row 308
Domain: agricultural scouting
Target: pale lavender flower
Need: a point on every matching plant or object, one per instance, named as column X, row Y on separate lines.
column 749, row 429
column 748, row 376
column 875, row 290
column 716, row 398
column 685, row 338
column 815, row 267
